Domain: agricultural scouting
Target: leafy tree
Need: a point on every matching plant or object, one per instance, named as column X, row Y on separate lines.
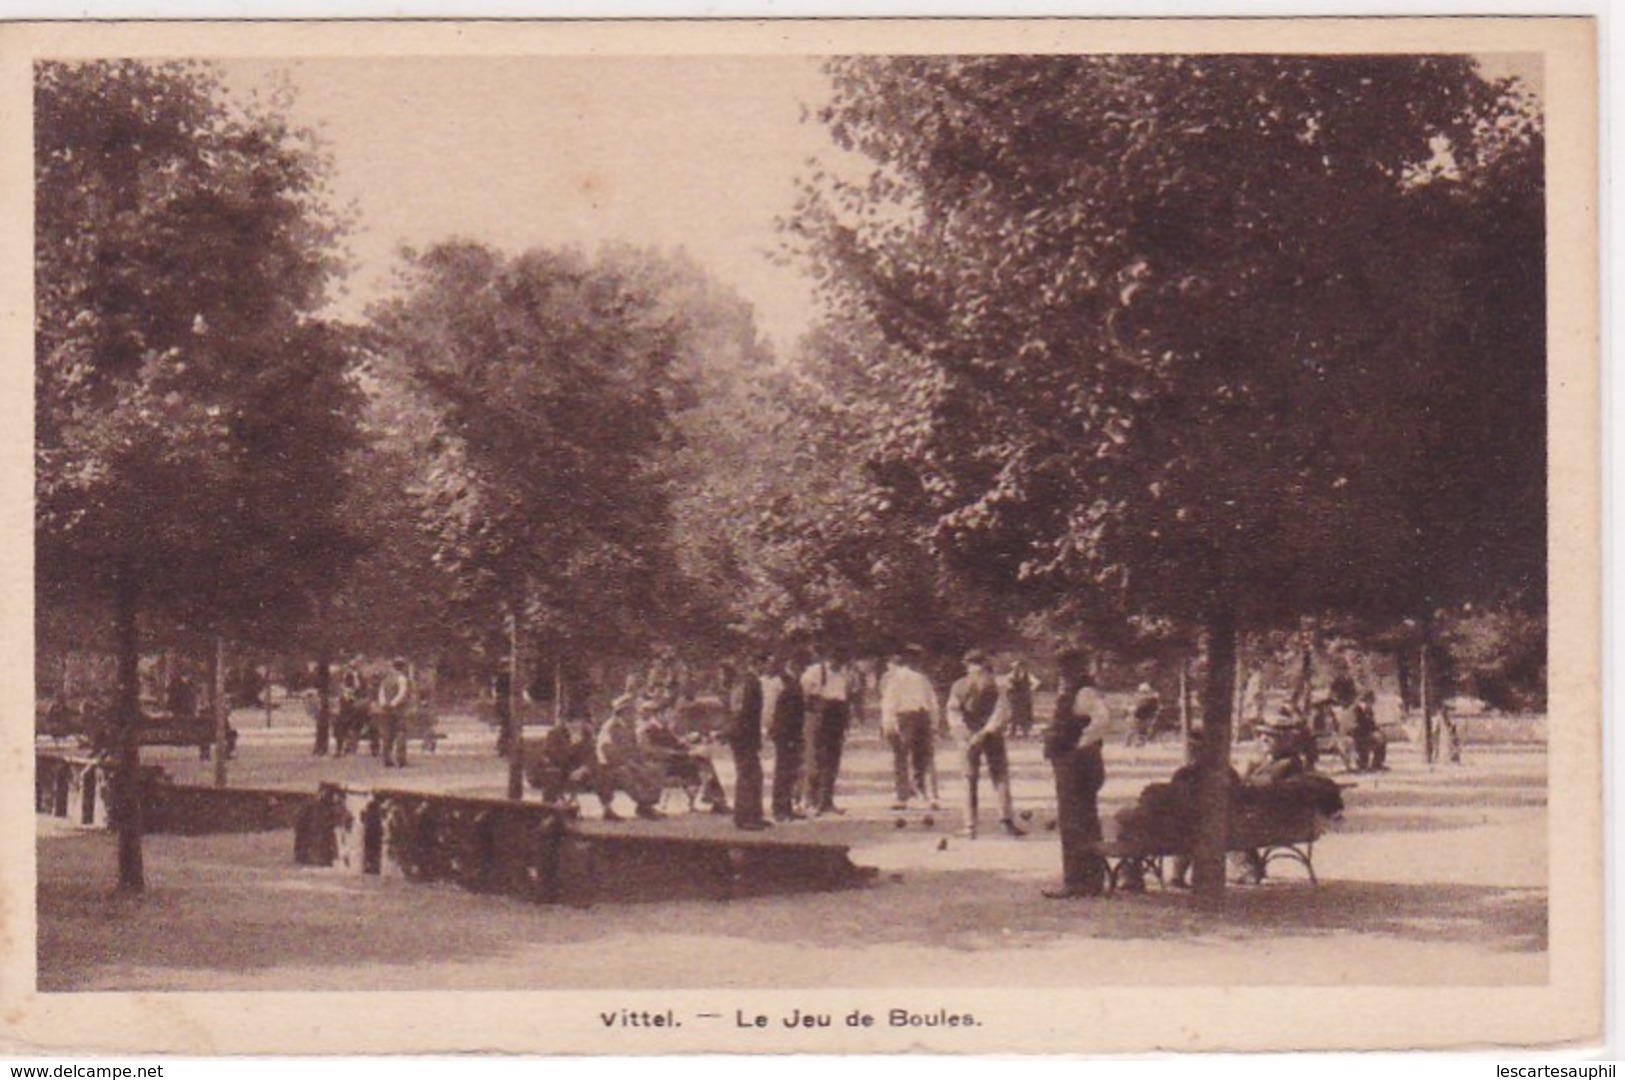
column 1201, row 337
column 545, row 388
column 189, row 406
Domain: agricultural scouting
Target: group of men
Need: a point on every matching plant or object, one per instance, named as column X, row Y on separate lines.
column 810, row 708
column 375, row 707
column 804, row 706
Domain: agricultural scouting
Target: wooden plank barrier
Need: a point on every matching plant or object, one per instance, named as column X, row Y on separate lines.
column 538, row 852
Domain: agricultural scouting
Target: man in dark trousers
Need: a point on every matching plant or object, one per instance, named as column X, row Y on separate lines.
column 833, row 682
column 976, row 708
column 1074, row 747
column 745, row 740
column 786, row 728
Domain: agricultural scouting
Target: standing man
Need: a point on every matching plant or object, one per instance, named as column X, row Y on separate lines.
column 396, row 695
column 832, row 681
column 979, row 713
column 909, row 715
column 352, row 701
column 1370, row 744
column 502, row 706
column 1074, row 747
column 745, row 740
column 785, row 727
column 812, row 698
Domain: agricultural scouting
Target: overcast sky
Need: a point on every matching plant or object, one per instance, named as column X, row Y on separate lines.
column 697, row 153
column 700, row 153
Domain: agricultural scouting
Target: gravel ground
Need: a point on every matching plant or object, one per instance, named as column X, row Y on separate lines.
column 1434, row 877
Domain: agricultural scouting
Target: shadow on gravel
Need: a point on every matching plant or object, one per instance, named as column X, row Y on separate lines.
column 245, row 910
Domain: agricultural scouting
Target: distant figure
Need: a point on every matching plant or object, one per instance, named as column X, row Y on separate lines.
column 976, row 709
column 396, row 696
column 744, row 696
column 565, row 762
column 1147, row 709
column 1370, row 744
column 502, row 708
column 786, row 727
column 352, row 707
column 1450, row 733
column 1074, row 747
column 909, row 715
column 182, row 700
column 1019, row 693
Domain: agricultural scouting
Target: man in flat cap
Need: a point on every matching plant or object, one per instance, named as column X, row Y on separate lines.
column 979, row 712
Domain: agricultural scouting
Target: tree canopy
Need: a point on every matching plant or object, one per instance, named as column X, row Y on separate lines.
column 190, row 407
column 192, row 410
column 1177, row 329
column 542, row 391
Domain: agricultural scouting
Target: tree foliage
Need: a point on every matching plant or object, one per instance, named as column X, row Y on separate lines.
column 192, row 412
column 189, row 407
column 1187, row 330
column 541, row 391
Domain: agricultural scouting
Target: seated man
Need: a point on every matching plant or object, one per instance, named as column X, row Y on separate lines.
column 566, row 761
column 1286, row 754
column 1163, row 818
column 681, row 762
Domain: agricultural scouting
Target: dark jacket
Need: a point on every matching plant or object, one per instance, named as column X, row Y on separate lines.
column 785, row 726
column 745, row 721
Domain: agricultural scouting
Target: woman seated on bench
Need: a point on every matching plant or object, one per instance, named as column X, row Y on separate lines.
column 679, row 762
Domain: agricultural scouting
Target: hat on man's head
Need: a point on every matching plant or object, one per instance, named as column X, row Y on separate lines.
column 912, row 651
column 977, row 656
column 399, row 661
column 1145, row 688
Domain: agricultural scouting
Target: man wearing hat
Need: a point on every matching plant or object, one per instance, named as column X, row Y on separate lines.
column 395, row 697
column 1074, row 747
column 978, row 710
column 1287, row 743
column 909, row 714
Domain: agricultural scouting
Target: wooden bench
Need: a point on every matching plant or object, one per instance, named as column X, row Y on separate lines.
column 1274, row 831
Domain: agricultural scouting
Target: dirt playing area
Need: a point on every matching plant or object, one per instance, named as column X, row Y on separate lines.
column 1435, row 876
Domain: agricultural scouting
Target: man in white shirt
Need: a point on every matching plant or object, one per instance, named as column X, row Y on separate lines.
column 395, row 700
column 828, row 685
column 909, row 714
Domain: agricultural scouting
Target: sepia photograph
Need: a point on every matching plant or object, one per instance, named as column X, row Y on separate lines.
column 817, row 537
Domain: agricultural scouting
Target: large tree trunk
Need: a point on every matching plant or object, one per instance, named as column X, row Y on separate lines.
column 126, row 788
column 1213, row 789
column 324, row 699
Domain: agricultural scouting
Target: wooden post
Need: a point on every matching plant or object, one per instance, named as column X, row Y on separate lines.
column 267, row 691
column 1185, row 707
column 1238, row 700
column 516, row 729
column 222, row 711
column 1429, row 750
